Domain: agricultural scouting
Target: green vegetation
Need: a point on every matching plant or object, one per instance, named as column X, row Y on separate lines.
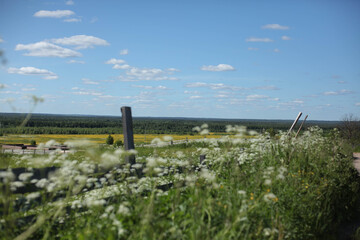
column 68, row 124
column 109, row 140
column 259, row 188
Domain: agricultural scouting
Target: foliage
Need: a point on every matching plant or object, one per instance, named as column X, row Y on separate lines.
column 246, row 188
column 32, row 142
column 350, row 129
column 109, row 140
column 67, row 124
column 118, row 143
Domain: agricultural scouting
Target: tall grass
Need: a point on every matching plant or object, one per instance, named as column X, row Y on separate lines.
column 260, row 188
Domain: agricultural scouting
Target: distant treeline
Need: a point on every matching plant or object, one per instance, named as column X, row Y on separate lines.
column 81, row 124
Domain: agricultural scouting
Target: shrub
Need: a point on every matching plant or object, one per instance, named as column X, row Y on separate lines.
column 118, row 143
column 109, row 140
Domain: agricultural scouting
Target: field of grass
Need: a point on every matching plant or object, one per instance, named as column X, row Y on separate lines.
column 246, row 188
column 94, row 138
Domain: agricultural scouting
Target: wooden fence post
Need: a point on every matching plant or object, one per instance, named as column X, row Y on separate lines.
column 301, row 126
column 128, row 133
column 293, row 125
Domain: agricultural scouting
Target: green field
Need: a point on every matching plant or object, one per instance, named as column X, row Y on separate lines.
column 259, row 188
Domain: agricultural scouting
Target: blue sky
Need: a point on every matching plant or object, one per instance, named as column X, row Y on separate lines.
column 211, row 59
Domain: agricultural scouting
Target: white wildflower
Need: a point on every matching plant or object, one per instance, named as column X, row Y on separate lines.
column 204, row 132
column 7, row 176
column 25, row 176
column 123, row 210
column 32, row 196
column 196, row 129
column 269, row 196
column 267, row 182
column 167, row 138
column 204, row 126
column 42, row 183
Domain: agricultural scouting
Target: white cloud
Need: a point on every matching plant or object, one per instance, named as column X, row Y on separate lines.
column 54, row 14
column 195, row 97
column 341, row 82
column 252, row 49
column 33, row 71
column 255, row 97
column 213, row 86
column 253, row 39
column 357, row 104
column 69, row 2
column 336, row 93
column 1, row 40
column 124, row 66
column 173, row 70
column 267, row 88
column 286, row 38
column 276, row 50
column 124, row 52
column 275, row 27
column 94, row 19
column 28, row 89
column 87, row 92
column 89, row 82
column 151, row 87
column 115, row 61
column 218, row 68
column 147, row 74
column 81, row 41
column 75, row 61
column 46, row 49
column 72, row 20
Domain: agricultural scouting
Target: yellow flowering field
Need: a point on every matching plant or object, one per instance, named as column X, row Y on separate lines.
column 95, row 138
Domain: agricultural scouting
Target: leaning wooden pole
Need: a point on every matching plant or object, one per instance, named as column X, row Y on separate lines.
column 293, row 125
column 128, row 133
column 301, row 126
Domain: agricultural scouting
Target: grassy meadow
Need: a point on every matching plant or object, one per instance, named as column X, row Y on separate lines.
column 247, row 188
column 93, row 138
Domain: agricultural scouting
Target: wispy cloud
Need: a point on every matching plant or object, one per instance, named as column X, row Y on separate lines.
column 46, row 49
column 54, row 14
column 267, row 88
column 69, row 2
column 213, row 86
column 340, row 92
column 285, row 38
column 254, row 39
column 195, row 97
column 28, row 89
column 75, row 61
column 357, row 104
column 218, row 68
column 151, row 87
column 46, row 74
column 124, row 52
column 89, row 82
column 123, row 66
column 276, row 50
column 81, row 41
column 275, row 26
column 72, row 20
column 252, row 49
column 115, row 61
column 146, row 74
column 1, row 40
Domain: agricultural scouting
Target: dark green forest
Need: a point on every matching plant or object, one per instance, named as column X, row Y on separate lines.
column 88, row 124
